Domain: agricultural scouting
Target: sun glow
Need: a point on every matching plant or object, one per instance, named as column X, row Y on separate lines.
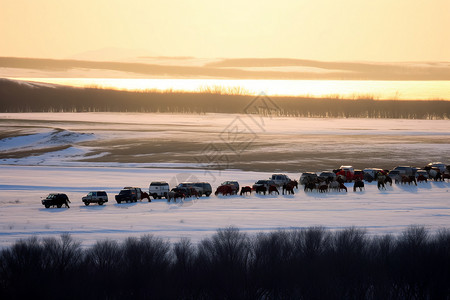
column 348, row 89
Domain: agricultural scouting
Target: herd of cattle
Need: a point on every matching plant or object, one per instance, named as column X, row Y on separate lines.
column 323, row 182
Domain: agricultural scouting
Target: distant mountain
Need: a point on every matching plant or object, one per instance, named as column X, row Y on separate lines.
column 250, row 68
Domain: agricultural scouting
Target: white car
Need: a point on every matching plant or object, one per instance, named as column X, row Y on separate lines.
column 99, row 197
column 158, row 189
column 280, row 179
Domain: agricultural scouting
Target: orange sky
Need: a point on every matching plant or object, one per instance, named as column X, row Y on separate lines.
column 382, row 30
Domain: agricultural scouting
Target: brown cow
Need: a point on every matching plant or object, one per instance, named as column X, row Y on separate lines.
column 245, row 190
column 225, row 190
column 273, row 188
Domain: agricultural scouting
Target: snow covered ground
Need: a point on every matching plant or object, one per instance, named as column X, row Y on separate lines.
column 22, row 215
column 75, row 153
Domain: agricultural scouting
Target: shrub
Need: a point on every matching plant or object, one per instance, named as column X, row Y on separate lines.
column 311, row 263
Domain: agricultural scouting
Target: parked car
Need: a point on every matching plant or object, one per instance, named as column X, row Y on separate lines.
column 158, row 189
column 234, row 185
column 327, row 175
column 203, row 188
column 424, row 173
column 308, row 177
column 395, row 175
column 280, row 179
column 56, row 199
column 358, row 175
column 186, row 191
column 373, row 172
column 347, row 169
column 129, row 194
column 226, row 190
column 439, row 165
column 99, row 197
column 405, row 170
column 265, row 183
column 345, row 175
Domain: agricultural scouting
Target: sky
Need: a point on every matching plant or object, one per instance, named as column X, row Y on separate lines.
column 329, row 30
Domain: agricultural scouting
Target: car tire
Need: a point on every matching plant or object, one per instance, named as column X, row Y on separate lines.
column 47, row 206
column 58, row 205
column 100, row 203
column 207, row 194
column 86, row 203
column 119, row 201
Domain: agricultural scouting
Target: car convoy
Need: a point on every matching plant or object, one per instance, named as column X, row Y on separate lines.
column 161, row 189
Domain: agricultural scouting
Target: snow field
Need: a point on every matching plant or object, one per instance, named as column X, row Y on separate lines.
column 22, row 215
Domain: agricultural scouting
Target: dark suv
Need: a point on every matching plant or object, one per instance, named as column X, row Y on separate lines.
column 129, row 194
column 57, row 200
column 203, row 188
column 234, row 185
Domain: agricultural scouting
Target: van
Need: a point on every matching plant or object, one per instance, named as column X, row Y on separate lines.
column 158, row 189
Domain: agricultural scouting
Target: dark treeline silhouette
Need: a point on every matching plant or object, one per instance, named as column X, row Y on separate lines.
column 311, row 263
column 20, row 97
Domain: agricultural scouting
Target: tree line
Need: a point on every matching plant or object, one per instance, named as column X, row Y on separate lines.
column 19, row 97
column 310, row 263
